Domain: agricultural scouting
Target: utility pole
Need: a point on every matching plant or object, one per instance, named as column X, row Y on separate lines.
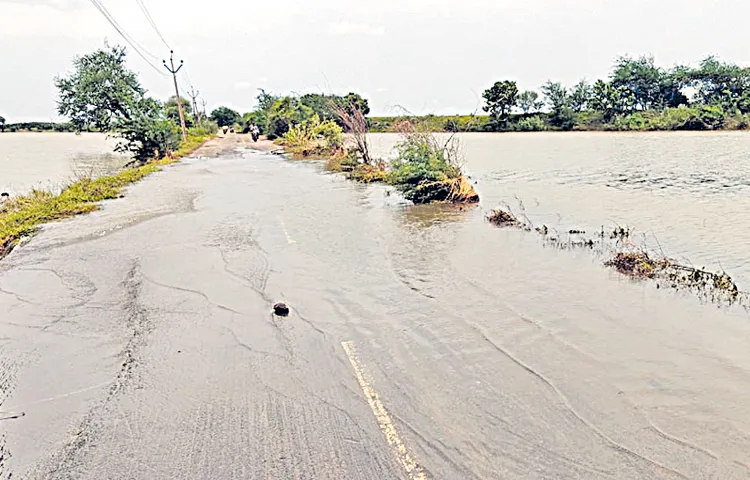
column 194, row 95
column 203, row 102
column 177, row 90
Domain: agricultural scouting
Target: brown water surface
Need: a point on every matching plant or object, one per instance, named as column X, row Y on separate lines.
column 51, row 160
column 686, row 194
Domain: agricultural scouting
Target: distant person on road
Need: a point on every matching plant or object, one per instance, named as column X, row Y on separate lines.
column 254, row 131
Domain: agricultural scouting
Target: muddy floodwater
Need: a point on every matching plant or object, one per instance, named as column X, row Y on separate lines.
column 51, row 160
column 422, row 343
column 686, row 194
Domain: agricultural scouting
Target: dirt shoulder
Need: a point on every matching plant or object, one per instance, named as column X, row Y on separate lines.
column 224, row 144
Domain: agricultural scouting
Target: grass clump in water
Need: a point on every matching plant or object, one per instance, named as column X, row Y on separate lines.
column 635, row 264
column 502, row 218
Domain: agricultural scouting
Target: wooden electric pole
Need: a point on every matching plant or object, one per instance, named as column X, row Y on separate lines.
column 174, row 71
column 194, row 95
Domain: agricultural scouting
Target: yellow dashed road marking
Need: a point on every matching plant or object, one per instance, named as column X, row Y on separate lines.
column 283, row 227
column 413, row 470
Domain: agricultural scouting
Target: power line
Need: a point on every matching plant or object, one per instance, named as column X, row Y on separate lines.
column 100, row 6
column 151, row 21
column 142, row 52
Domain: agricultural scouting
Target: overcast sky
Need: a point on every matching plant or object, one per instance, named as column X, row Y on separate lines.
column 428, row 56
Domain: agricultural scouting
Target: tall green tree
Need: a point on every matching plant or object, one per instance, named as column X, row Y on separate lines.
column 529, row 102
column 323, row 105
column 286, row 112
column 720, row 83
column 672, row 84
column 103, row 94
column 558, row 98
column 580, row 96
column 611, row 100
column 171, row 110
column 499, row 100
column 225, row 117
column 643, row 78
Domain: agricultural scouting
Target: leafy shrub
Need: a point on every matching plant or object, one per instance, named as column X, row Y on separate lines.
column 283, row 114
column 532, row 124
column 204, row 128
column 314, row 137
column 703, row 117
column 426, row 170
column 147, row 135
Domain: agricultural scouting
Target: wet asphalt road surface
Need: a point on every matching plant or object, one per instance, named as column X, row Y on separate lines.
column 138, row 342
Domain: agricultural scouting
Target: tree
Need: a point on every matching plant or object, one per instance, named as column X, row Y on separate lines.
column 559, row 101
column 173, row 113
column 499, row 100
column 225, row 117
column 611, row 100
column 102, row 94
column 286, row 112
column 721, row 83
column 642, row 78
column 266, row 102
column 355, row 103
column 580, row 96
column 327, row 106
column 148, row 133
column 529, row 102
column 2, row 124
column 671, row 86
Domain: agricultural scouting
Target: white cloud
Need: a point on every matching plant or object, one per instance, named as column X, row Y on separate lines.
column 349, row 28
column 242, row 85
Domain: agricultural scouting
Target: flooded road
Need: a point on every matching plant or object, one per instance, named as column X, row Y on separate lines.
column 138, row 342
column 52, row 160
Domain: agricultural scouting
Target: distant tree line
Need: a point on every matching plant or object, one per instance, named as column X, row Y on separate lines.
column 35, row 127
column 638, row 95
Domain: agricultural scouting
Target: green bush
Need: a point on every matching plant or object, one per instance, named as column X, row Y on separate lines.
column 204, row 128
column 314, row 137
column 421, row 169
column 283, row 114
column 703, row 117
column 532, row 124
column 147, row 136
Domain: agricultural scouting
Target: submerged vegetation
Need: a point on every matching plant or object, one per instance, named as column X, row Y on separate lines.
column 622, row 255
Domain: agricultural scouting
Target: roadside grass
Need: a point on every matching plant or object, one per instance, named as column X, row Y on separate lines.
column 21, row 216
column 192, row 144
